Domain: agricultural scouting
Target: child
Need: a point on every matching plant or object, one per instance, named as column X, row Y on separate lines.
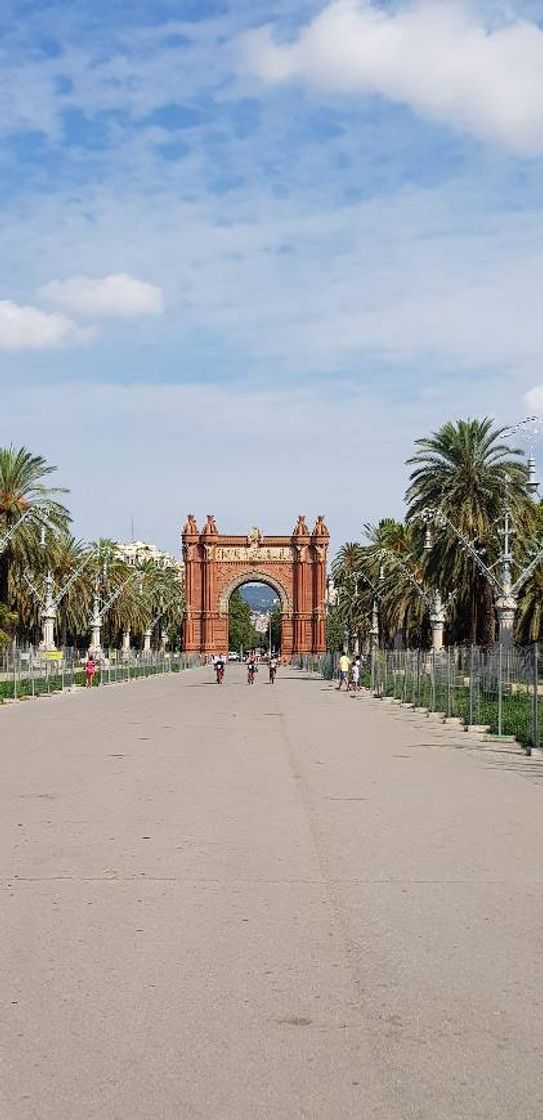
column 355, row 675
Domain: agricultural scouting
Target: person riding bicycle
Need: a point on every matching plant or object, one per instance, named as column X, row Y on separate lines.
column 219, row 667
column 273, row 669
column 252, row 668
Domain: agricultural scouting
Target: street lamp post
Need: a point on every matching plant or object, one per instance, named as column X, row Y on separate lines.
column 505, row 587
column 49, row 616
column 374, row 628
column 98, row 611
column 274, row 603
column 31, row 512
column 434, row 602
column 507, row 591
column 50, row 602
column 95, row 646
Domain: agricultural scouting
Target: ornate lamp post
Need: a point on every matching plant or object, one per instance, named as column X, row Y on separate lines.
column 49, row 601
column 98, row 611
column 507, row 591
column 505, row 587
column 433, row 599
column 32, row 512
column 528, row 429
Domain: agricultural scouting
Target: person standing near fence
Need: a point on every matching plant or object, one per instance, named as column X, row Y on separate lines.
column 90, row 670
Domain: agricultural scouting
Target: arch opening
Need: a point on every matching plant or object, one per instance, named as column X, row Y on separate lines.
column 254, row 607
column 254, row 577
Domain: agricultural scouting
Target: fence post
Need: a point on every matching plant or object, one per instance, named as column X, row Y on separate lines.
column 470, row 721
column 535, row 710
column 500, row 689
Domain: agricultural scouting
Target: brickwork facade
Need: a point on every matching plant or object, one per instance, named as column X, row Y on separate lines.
column 294, row 566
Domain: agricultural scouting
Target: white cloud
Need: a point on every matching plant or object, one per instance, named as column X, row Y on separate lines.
column 427, row 280
column 118, row 296
column 533, row 400
column 438, row 58
column 28, row 328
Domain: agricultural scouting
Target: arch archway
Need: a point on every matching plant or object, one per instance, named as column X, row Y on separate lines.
column 254, row 577
column 294, row 566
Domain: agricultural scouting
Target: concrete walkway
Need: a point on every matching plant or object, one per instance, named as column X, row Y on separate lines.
column 262, row 904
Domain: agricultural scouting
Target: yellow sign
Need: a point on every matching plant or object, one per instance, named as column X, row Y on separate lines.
column 53, row 654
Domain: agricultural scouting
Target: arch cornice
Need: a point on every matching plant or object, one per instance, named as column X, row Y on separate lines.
column 255, row 575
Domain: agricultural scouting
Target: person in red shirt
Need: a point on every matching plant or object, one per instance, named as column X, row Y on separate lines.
column 90, row 670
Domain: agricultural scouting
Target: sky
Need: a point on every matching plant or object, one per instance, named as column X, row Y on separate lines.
column 250, row 251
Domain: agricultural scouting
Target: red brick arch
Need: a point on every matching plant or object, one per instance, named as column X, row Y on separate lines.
column 294, row 566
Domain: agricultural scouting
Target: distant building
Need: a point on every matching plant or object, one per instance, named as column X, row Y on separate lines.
column 260, row 620
column 139, row 552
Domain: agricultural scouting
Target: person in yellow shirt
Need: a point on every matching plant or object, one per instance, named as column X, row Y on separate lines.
column 344, row 666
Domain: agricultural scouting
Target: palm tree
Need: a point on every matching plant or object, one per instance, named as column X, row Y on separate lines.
column 346, row 571
column 69, row 559
column 468, row 472
column 402, row 607
column 110, row 575
column 7, row 621
column 23, row 487
column 165, row 596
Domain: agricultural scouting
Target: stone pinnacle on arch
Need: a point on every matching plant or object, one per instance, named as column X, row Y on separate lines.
column 300, row 529
column 210, row 528
column 320, row 529
column 190, row 528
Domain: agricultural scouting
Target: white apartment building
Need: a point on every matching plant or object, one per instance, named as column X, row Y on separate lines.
column 138, row 552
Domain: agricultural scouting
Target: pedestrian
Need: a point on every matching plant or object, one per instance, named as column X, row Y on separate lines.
column 344, row 666
column 90, row 670
column 355, row 675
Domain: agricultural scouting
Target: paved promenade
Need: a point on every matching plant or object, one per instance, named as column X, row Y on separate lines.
column 265, row 904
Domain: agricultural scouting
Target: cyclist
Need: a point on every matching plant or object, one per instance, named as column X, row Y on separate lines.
column 218, row 665
column 252, row 668
column 273, row 669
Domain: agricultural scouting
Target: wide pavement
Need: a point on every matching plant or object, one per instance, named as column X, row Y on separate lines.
column 247, row 903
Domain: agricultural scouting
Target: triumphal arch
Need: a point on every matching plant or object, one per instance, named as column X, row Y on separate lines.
column 294, row 566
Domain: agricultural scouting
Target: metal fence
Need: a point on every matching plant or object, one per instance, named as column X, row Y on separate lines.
column 501, row 689
column 322, row 663
column 26, row 673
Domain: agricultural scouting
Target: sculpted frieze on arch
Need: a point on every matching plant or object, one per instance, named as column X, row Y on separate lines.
column 252, row 553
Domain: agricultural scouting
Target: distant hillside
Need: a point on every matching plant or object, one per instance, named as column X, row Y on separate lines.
column 258, row 596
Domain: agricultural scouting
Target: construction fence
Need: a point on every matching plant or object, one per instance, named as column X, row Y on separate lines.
column 500, row 688
column 27, row 673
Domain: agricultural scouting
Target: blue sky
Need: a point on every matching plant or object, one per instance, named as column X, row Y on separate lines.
column 251, row 251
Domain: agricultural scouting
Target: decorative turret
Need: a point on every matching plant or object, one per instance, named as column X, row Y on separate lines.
column 210, row 528
column 190, row 528
column 300, row 529
column 320, row 529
